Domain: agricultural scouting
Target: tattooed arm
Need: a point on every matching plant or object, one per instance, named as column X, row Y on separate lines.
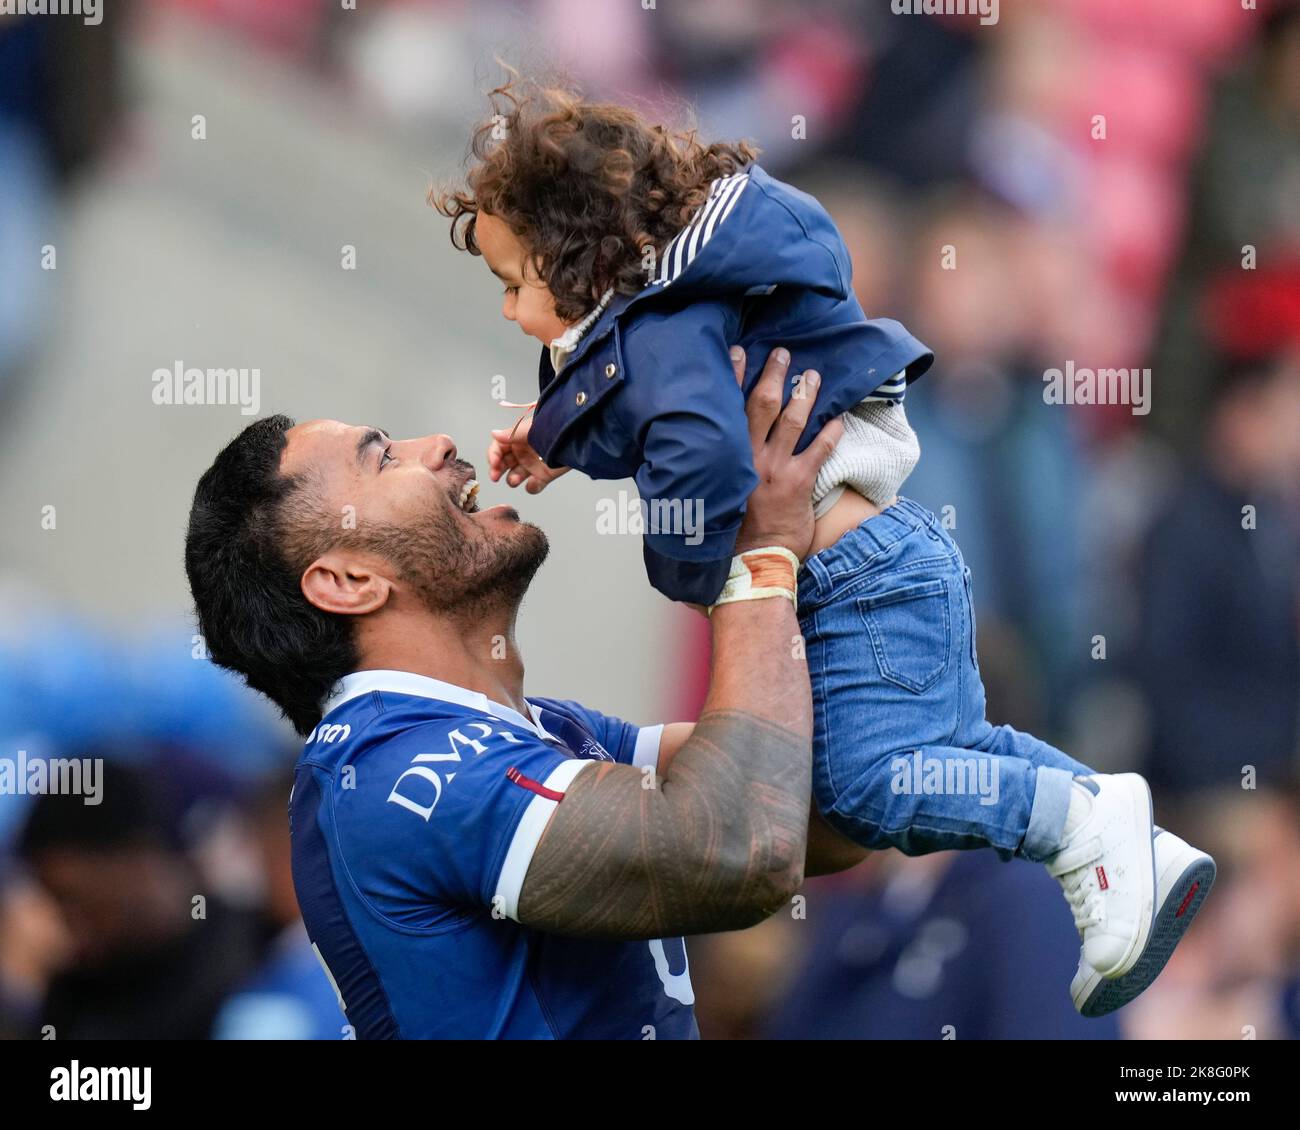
column 828, row 851
column 718, row 842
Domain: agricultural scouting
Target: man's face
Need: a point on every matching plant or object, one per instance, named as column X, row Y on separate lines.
column 412, row 503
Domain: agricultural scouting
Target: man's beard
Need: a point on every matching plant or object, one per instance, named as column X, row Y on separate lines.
column 456, row 575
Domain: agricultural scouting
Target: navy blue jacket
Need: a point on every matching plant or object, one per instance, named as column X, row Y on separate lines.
column 650, row 392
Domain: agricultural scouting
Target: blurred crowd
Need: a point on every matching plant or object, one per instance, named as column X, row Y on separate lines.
column 1086, row 182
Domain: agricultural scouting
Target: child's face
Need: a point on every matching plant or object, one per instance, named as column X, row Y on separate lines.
column 528, row 301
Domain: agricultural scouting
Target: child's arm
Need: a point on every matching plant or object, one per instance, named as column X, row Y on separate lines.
column 511, row 454
column 684, row 409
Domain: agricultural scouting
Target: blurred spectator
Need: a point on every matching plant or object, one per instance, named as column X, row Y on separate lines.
column 1219, row 648
column 33, row 944
column 919, row 98
column 288, row 997
column 1237, row 974
column 59, row 93
column 145, row 964
column 957, row 945
column 1245, row 204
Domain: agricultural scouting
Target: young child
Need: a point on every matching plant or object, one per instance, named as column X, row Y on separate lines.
column 638, row 258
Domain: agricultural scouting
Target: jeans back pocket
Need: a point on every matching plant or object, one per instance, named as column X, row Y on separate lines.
column 911, row 633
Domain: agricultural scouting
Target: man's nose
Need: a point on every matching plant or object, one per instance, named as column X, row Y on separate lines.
column 440, row 449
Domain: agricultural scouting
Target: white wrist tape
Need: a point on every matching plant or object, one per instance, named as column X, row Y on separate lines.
column 758, row 574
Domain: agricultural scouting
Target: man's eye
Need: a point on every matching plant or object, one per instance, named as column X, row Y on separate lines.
column 510, row 290
column 387, row 456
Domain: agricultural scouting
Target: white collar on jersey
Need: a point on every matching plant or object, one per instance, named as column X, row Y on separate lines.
column 407, row 682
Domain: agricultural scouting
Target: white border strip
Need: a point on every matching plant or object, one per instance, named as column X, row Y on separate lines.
column 646, row 751
column 527, row 834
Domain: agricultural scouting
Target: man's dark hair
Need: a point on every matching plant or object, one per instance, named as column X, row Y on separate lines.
column 245, row 550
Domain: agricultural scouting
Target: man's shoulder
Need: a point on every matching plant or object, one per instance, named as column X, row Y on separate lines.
column 568, row 707
column 386, row 723
column 390, row 750
column 592, row 734
column 423, row 796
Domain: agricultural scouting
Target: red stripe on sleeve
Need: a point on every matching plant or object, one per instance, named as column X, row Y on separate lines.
column 513, row 774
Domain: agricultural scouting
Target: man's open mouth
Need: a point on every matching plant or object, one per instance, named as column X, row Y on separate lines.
column 467, row 496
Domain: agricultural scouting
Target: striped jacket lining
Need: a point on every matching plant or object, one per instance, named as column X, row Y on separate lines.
column 689, row 242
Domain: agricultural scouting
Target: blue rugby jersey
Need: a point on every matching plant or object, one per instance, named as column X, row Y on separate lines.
column 415, row 811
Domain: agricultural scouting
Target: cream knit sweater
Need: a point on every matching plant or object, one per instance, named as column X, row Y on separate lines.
column 876, row 453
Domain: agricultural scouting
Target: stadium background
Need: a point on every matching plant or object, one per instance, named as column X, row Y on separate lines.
column 1084, row 525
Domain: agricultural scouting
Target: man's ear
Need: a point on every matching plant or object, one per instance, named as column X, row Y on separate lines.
column 338, row 582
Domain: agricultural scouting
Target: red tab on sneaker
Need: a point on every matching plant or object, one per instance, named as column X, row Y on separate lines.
column 1188, row 900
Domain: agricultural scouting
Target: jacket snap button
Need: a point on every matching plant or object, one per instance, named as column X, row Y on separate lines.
column 610, row 370
column 581, row 399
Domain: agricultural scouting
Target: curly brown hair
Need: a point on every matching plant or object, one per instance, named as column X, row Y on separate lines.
column 587, row 187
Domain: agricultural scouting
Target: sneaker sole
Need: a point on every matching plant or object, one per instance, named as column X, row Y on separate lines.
column 1195, row 873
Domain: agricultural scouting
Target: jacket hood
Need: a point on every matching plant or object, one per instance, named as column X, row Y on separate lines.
column 753, row 234
column 756, row 233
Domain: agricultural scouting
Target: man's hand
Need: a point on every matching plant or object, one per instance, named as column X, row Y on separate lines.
column 780, row 509
column 511, row 454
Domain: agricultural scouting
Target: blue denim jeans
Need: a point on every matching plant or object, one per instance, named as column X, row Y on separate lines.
column 903, row 756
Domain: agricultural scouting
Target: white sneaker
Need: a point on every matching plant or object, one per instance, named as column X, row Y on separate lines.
column 1184, row 876
column 1106, row 867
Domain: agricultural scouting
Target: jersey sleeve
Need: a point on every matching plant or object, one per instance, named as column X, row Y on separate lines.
column 626, row 742
column 454, row 814
column 686, row 414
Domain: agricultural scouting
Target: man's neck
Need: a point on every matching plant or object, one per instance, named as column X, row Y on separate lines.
column 480, row 656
